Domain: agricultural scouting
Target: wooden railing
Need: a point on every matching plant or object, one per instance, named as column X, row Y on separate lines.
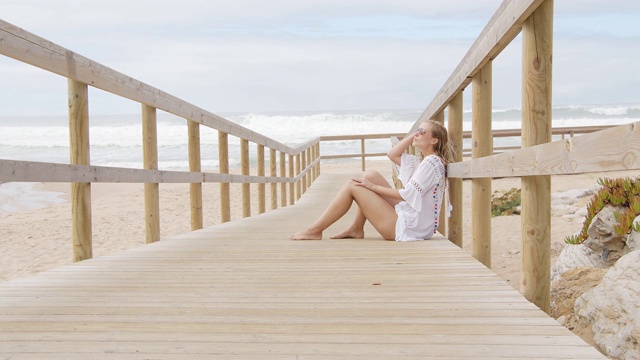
column 563, row 132
column 82, row 73
column 607, row 150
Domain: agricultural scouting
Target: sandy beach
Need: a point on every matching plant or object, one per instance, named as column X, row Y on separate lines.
column 33, row 240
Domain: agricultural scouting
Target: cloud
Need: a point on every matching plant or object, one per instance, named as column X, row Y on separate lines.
column 315, row 55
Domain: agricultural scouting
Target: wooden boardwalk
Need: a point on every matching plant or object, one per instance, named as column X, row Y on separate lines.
column 241, row 290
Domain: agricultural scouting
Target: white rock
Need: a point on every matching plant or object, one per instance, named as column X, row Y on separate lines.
column 577, row 256
column 603, row 239
column 613, row 309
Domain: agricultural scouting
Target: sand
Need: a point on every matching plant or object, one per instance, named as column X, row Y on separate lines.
column 33, row 240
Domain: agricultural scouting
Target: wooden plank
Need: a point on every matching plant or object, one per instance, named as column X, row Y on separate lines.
column 618, row 149
column 242, row 290
column 33, row 171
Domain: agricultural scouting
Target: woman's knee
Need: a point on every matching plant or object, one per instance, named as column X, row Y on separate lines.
column 371, row 174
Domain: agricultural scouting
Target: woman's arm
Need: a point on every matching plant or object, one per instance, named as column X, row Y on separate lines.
column 378, row 189
column 395, row 153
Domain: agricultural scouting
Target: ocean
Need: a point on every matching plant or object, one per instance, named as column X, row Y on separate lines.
column 116, row 140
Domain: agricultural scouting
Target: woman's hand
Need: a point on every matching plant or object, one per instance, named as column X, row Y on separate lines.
column 364, row 183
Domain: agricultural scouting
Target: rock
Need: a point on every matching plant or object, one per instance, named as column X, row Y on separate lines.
column 633, row 240
column 564, row 292
column 576, row 256
column 613, row 309
column 603, row 239
column 570, row 286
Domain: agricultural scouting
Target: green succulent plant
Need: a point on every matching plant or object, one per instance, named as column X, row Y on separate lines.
column 620, row 192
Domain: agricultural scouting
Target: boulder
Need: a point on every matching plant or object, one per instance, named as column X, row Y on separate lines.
column 564, row 292
column 603, row 239
column 576, row 256
column 613, row 309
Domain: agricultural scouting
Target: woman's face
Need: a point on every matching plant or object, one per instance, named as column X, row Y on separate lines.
column 424, row 138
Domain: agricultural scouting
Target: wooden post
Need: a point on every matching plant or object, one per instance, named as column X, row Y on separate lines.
column 309, row 173
column 298, row 183
column 292, row 198
column 317, row 157
column 442, row 219
column 537, row 43
column 273, row 173
column 223, row 160
column 362, row 152
column 283, row 185
column 81, row 231
column 455, row 185
column 246, row 187
column 261, row 186
column 303, row 179
column 195, row 165
column 482, row 145
column 150, row 162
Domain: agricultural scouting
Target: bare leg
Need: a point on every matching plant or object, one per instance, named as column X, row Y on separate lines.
column 371, row 206
column 356, row 230
column 339, row 206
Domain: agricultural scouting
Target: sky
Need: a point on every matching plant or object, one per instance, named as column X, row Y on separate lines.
column 312, row 55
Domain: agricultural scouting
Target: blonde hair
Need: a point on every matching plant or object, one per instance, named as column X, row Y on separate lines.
column 443, row 147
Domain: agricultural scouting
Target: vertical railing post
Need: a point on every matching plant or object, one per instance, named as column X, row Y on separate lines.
column 482, row 145
column 317, row 157
column 273, row 173
column 195, row 165
column 283, row 185
column 537, row 43
column 261, row 186
column 150, row 162
column 303, row 166
column 246, row 187
column 223, row 161
column 362, row 152
column 81, row 231
column 298, row 183
column 292, row 185
column 442, row 220
column 455, row 185
column 309, row 173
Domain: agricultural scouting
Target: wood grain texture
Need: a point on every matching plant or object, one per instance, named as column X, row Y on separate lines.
column 241, row 290
column 78, row 97
column 616, row 148
column 537, row 70
column 482, row 145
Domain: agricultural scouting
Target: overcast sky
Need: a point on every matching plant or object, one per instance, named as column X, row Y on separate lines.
column 312, row 55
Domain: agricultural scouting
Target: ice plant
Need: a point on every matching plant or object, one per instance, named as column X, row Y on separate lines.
column 621, row 192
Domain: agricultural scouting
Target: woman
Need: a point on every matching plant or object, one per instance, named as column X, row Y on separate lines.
column 401, row 215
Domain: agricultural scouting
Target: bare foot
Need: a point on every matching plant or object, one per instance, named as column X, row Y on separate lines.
column 306, row 235
column 349, row 234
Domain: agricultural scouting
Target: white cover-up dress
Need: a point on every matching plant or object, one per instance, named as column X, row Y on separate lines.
column 424, row 185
